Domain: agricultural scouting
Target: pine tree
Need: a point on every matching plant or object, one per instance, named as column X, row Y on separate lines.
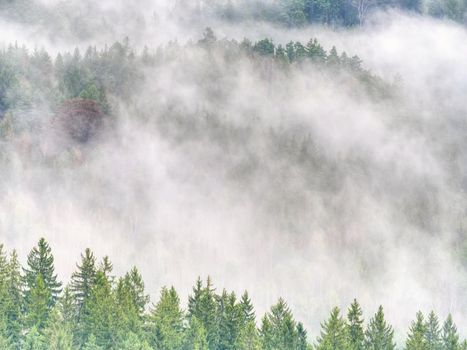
column 333, row 58
column 4, row 297
column 302, row 343
column 128, row 317
column 15, row 300
column 38, row 304
column 99, row 316
column 315, row 51
column 432, row 334
column 67, row 308
column 229, row 315
column 278, row 329
column 355, row 326
column 333, row 333
column 166, row 322
column 106, row 267
column 41, row 263
column 416, row 339
column 83, row 279
column 379, row 335
column 134, row 281
column 450, row 337
column 203, row 306
column 246, row 306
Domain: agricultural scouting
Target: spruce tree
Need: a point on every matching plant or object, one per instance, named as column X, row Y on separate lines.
column 38, row 304
column 41, row 263
column 4, row 297
column 432, row 333
column 166, row 322
column 355, row 326
column 67, row 308
column 83, row 279
column 99, row 316
column 106, row 267
column 334, row 334
column 302, row 343
column 450, row 337
column 246, row 306
column 128, row 317
column 379, row 335
column 416, row 338
column 278, row 328
column 203, row 306
column 134, row 281
column 229, row 316
column 15, row 300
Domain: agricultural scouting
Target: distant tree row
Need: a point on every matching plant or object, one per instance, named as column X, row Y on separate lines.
column 97, row 310
column 35, row 80
column 328, row 12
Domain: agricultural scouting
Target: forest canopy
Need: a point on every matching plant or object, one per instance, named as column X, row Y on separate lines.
column 98, row 310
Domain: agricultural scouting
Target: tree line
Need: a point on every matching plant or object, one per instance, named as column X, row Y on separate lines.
column 336, row 13
column 31, row 80
column 97, row 310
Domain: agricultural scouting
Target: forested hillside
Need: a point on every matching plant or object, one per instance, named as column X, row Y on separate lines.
column 98, row 310
column 308, row 150
column 294, row 13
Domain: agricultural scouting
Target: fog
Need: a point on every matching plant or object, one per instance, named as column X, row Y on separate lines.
column 301, row 185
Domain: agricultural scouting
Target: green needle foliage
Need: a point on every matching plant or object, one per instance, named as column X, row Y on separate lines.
column 99, row 311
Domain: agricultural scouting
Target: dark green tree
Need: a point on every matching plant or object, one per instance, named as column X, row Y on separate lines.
column 432, row 333
column 264, row 47
column 450, row 337
column 166, row 322
column 416, row 338
column 247, row 309
column 278, row 329
column 355, row 326
column 379, row 335
column 82, row 280
column 202, row 305
column 334, row 335
column 302, row 341
column 38, row 306
column 99, row 314
column 40, row 263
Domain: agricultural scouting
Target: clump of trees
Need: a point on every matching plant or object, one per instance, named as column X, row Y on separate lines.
column 296, row 13
column 98, row 310
column 94, row 80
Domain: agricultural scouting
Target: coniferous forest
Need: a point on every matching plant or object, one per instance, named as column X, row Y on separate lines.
column 98, row 310
column 307, row 159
